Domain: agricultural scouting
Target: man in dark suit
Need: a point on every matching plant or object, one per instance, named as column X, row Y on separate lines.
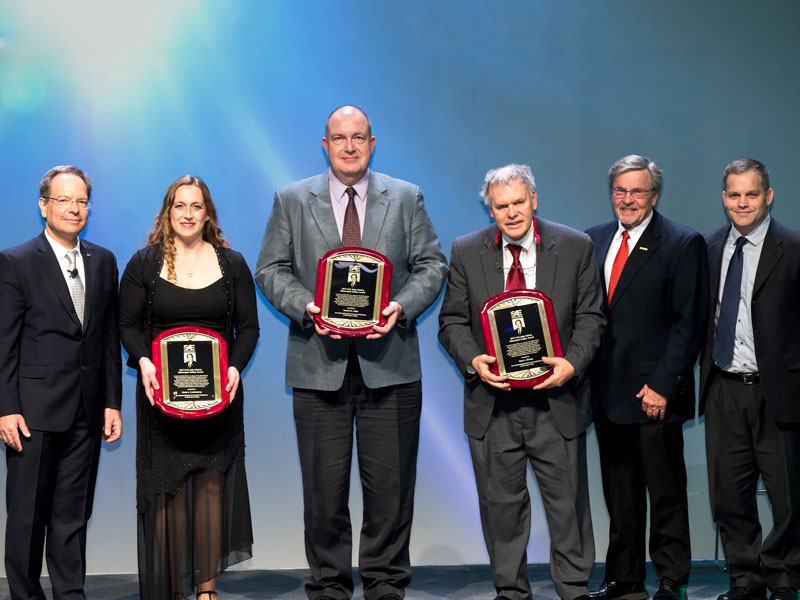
column 372, row 381
column 60, row 387
column 655, row 277
column 749, row 386
column 546, row 425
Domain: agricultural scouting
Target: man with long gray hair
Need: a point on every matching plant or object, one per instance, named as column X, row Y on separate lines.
column 546, row 425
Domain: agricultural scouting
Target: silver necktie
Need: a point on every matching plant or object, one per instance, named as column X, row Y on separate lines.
column 75, row 285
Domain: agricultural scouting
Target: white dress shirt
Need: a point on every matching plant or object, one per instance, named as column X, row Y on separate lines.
column 527, row 258
column 61, row 254
column 634, row 233
column 744, row 354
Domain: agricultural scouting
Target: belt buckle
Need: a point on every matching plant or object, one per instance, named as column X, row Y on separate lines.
column 749, row 378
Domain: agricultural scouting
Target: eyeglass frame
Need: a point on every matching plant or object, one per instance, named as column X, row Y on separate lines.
column 65, row 203
column 357, row 138
column 636, row 193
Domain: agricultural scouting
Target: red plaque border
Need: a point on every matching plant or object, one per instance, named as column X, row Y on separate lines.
column 488, row 339
column 158, row 394
column 320, row 292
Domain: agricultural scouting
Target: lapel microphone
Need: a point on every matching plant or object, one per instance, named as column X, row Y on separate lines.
column 73, row 273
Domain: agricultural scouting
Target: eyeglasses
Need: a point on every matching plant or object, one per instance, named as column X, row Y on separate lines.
column 356, row 139
column 64, row 203
column 619, row 193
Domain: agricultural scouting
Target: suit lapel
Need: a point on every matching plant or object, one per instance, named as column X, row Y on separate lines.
column 546, row 260
column 322, row 211
column 492, row 264
column 715, row 251
column 644, row 250
column 377, row 205
column 51, row 267
column 601, row 252
column 90, row 285
column 771, row 253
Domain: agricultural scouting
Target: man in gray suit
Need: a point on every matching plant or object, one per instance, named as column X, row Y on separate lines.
column 374, row 380
column 546, row 425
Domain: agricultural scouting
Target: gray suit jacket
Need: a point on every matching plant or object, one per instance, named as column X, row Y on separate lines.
column 567, row 274
column 301, row 229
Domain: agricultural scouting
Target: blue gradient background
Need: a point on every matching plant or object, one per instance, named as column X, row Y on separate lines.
column 141, row 93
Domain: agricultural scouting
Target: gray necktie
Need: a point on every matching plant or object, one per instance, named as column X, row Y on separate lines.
column 75, row 285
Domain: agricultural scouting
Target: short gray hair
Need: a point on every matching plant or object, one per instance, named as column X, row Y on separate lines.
column 742, row 165
column 503, row 175
column 47, row 180
column 634, row 162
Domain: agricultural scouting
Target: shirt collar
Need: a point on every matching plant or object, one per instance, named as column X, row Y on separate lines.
column 755, row 237
column 59, row 250
column 337, row 188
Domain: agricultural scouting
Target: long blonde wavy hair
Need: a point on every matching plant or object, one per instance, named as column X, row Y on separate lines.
column 163, row 235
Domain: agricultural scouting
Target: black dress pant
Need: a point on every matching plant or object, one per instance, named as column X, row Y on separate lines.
column 49, row 492
column 743, row 441
column 636, row 460
column 387, row 436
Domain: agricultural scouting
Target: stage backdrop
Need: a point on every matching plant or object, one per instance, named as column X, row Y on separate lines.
column 140, row 93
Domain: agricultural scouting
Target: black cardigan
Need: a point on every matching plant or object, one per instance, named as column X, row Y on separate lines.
column 137, row 288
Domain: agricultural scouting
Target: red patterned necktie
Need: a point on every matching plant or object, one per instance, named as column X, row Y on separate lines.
column 351, row 229
column 619, row 264
column 516, row 276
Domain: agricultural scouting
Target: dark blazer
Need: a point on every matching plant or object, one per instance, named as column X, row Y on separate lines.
column 47, row 362
column 301, row 229
column 566, row 273
column 656, row 321
column 775, row 311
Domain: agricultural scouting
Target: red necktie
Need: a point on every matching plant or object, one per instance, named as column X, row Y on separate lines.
column 351, row 228
column 516, row 276
column 619, row 264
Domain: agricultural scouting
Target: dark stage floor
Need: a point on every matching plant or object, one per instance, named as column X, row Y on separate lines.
column 469, row 582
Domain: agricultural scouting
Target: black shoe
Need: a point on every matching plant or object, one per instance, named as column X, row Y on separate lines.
column 501, row 598
column 391, row 596
column 620, row 590
column 785, row 593
column 670, row 590
column 742, row 593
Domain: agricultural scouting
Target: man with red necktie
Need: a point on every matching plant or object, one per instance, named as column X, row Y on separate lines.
column 545, row 425
column 655, row 276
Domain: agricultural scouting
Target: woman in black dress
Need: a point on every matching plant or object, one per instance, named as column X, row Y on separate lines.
column 192, row 500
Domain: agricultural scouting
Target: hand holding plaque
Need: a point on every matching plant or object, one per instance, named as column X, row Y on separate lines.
column 519, row 328
column 353, row 286
column 192, row 371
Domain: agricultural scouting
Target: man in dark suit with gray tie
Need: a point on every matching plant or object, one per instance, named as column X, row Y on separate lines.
column 60, row 387
column 749, row 387
column 655, row 277
column 546, row 426
column 373, row 382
